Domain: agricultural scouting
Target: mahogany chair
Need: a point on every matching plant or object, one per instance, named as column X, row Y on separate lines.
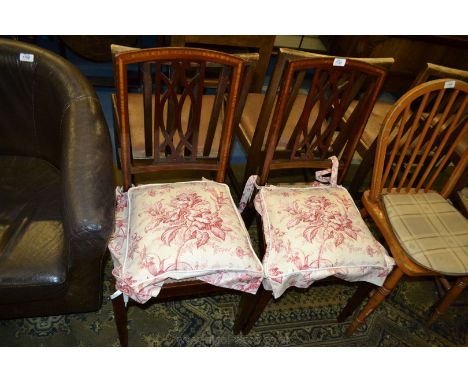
column 321, row 131
column 197, row 220
column 407, row 199
column 258, row 110
column 142, row 123
column 368, row 142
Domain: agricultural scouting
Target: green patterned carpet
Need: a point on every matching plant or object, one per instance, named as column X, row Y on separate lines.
column 297, row 319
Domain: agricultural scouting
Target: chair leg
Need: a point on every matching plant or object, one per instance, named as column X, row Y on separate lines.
column 246, row 306
column 121, row 321
column 376, row 299
column 458, row 287
column 355, row 300
column 262, row 298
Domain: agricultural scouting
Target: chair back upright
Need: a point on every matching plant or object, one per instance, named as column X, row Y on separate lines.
column 173, row 85
column 418, row 139
column 328, row 87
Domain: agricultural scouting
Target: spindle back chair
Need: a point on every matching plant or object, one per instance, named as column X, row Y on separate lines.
column 410, row 185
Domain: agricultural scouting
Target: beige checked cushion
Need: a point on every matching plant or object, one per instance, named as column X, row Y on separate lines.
column 432, row 232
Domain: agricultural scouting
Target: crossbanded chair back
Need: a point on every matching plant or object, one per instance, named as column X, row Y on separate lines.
column 171, row 98
column 327, row 88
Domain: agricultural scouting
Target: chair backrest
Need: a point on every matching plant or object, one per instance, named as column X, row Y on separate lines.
column 328, row 87
column 262, row 44
column 418, row 140
column 284, row 57
column 433, row 71
column 173, row 84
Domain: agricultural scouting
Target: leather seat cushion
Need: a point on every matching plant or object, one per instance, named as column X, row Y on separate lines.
column 32, row 256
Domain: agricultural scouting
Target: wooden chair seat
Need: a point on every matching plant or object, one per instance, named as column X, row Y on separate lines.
column 372, row 129
column 251, row 114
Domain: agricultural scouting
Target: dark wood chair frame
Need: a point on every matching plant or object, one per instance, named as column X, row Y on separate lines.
column 177, row 158
column 427, row 158
column 251, row 61
column 348, row 133
column 255, row 144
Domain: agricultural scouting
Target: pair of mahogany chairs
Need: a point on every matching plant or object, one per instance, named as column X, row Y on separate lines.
column 182, row 239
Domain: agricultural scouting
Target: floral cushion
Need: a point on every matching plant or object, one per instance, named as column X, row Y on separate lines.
column 180, row 231
column 315, row 232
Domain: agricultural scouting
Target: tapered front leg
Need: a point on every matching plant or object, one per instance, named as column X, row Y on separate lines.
column 121, row 320
column 246, row 306
column 263, row 297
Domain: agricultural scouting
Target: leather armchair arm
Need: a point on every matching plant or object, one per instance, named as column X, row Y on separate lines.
column 86, row 169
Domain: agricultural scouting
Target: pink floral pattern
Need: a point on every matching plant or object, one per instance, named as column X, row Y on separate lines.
column 316, row 232
column 179, row 231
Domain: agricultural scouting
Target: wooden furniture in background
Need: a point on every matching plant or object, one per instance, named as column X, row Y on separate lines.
column 415, row 145
column 410, row 52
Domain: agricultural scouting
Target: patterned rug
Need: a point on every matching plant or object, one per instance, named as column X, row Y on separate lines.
column 299, row 318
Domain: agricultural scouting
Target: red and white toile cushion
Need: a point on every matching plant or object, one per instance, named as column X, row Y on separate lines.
column 315, row 232
column 180, row 231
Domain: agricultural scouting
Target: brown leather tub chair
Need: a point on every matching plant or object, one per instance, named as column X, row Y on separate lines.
column 56, row 186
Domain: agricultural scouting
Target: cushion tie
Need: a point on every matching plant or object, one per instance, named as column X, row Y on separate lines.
column 251, row 183
column 117, row 293
column 332, row 179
